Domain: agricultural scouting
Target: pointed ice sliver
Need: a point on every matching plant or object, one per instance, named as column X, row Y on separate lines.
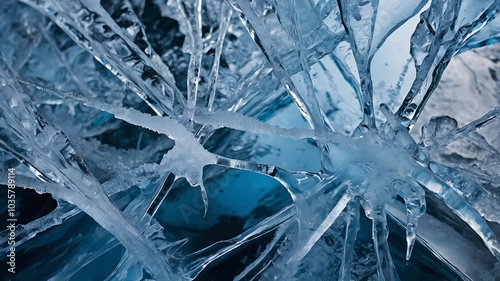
column 385, row 267
column 225, row 19
column 351, row 234
column 414, row 197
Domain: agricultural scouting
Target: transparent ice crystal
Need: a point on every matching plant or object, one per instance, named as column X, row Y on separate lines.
column 251, row 140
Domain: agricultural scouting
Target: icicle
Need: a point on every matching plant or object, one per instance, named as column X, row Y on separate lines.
column 191, row 13
column 226, row 13
column 351, row 233
column 204, row 197
column 385, row 267
column 414, row 197
column 160, row 195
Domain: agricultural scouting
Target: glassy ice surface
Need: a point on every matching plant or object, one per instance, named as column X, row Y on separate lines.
column 251, row 140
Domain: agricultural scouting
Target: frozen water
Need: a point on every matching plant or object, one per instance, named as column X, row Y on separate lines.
column 252, row 140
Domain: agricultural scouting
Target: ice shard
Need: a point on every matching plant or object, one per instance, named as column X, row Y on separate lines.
column 250, row 140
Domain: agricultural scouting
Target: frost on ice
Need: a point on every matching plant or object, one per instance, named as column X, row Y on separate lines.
column 252, row 140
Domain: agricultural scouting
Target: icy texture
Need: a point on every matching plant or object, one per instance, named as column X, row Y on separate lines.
column 296, row 123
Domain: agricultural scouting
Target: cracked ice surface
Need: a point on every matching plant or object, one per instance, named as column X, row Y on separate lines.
column 252, row 140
